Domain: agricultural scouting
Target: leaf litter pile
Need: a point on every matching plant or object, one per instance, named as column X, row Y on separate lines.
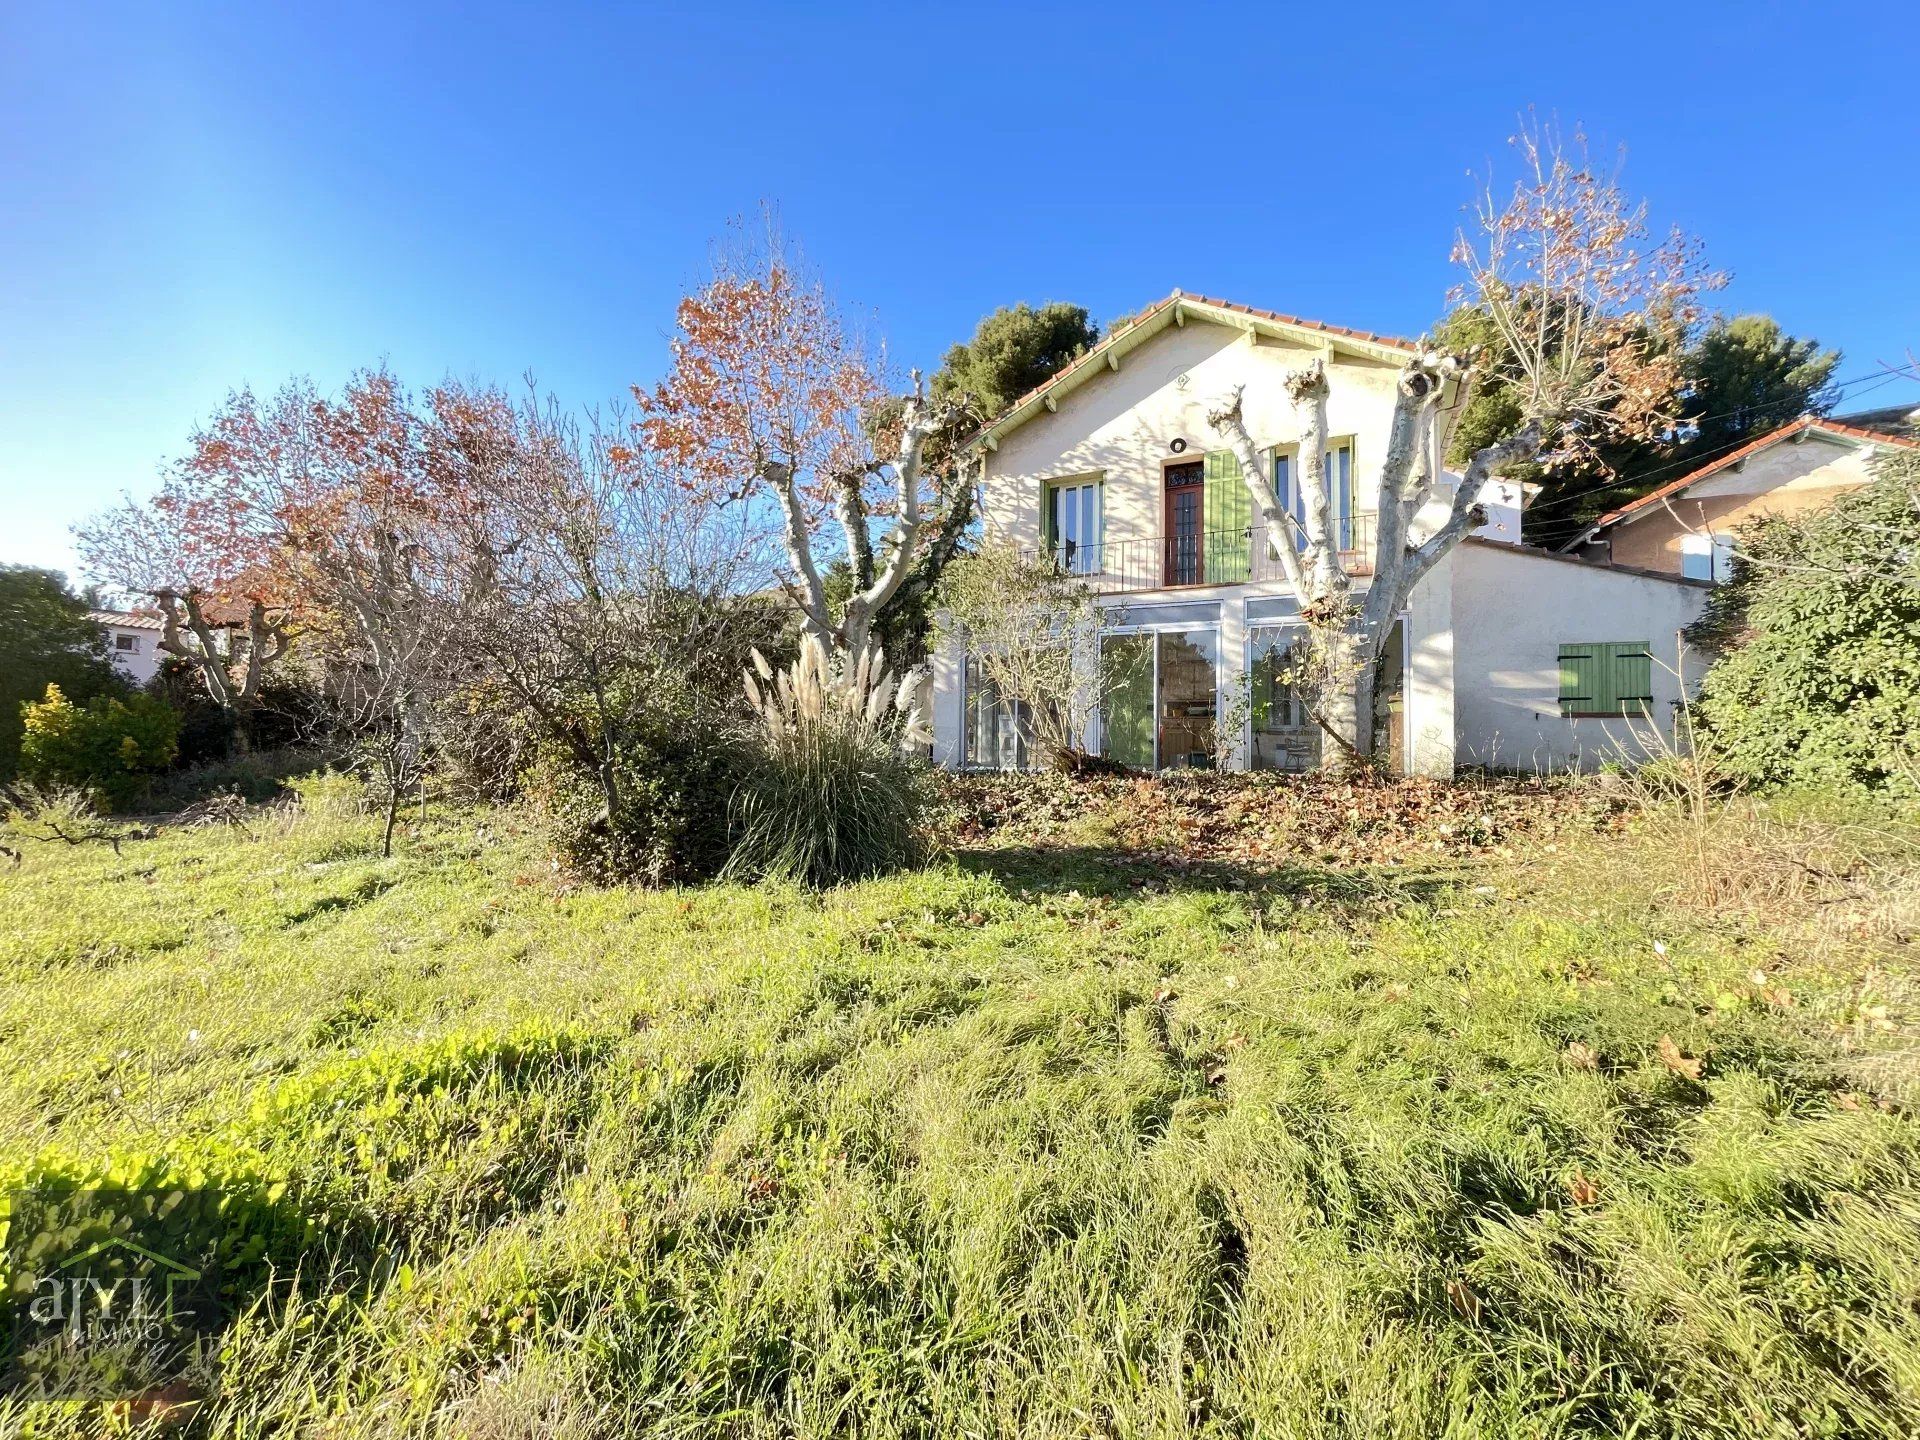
column 1200, row 817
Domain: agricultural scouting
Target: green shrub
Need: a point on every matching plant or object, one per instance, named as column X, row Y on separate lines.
column 46, row 638
column 830, row 795
column 257, row 776
column 1819, row 683
column 107, row 746
column 674, row 765
column 331, row 794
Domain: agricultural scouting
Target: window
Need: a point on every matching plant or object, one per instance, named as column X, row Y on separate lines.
column 127, row 642
column 999, row 735
column 1187, row 695
column 1073, row 523
column 1339, row 490
column 1284, row 735
column 1606, row 677
column 1185, row 515
column 1707, row 557
column 1126, row 720
column 1161, row 694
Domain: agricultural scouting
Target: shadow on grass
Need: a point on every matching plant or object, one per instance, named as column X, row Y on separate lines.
column 1115, row 874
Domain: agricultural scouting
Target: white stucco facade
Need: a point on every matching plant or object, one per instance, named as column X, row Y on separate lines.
column 1480, row 644
column 133, row 642
column 1517, row 608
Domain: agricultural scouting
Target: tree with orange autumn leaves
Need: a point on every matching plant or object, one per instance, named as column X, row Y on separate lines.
column 771, row 400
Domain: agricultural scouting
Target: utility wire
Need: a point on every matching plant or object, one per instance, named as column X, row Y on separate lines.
column 1884, row 376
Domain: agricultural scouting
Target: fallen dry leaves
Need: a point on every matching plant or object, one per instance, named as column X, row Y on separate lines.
column 1688, row 1066
column 1197, row 818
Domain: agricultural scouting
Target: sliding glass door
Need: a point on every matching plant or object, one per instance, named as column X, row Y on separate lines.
column 1161, row 699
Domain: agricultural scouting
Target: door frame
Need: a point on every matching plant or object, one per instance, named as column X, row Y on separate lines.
column 1168, row 537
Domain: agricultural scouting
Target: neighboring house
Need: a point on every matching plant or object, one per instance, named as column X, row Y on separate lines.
column 1687, row 527
column 133, row 641
column 133, row 637
column 1506, row 655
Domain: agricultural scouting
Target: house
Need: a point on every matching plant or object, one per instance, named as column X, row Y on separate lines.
column 1505, row 655
column 133, row 637
column 133, row 641
column 1687, row 527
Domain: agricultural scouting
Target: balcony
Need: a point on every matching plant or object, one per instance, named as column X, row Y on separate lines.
column 1218, row 557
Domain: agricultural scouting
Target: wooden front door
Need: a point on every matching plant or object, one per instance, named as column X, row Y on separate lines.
column 1185, row 524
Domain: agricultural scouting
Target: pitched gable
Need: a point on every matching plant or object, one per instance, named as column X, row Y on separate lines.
column 1178, row 310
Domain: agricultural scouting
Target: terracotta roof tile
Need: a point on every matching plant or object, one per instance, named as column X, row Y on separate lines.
column 127, row 619
column 1752, row 447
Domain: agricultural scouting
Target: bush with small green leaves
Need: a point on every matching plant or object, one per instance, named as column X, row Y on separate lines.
column 673, row 765
column 108, row 746
column 1818, row 684
column 46, row 638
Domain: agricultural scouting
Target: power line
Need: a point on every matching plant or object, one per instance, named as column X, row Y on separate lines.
column 1884, row 376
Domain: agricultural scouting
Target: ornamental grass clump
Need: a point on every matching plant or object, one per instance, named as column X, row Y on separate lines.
column 833, row 793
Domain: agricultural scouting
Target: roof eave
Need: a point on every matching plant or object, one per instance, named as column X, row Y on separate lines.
column 1176, row 310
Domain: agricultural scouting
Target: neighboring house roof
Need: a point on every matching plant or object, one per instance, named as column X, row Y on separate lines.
column 222, row 614
column 1901, row 422
column 127, row 619
column 1177, row 309
column 1844, row 432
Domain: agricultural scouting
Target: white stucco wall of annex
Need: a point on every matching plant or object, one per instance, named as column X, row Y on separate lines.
column 1514, row 608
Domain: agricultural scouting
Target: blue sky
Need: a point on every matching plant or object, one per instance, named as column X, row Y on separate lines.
column 194, row 197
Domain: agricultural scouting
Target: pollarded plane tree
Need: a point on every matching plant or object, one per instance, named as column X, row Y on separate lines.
column 1592, row 317
column 771, row 399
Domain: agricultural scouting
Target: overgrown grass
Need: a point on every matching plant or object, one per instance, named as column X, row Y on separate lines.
column 1018, row 1143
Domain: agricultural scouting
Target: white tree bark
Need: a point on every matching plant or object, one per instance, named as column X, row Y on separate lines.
column 795, row 532
column 916, row 425
column 1276, row 524
column 1347, row 641
column 847, row 641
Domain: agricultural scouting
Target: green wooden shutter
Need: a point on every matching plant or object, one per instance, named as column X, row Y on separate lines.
column 1227, row 512
column 1606, row 677
column 1580, row 679
column 1127, row 716
column 1632, row 665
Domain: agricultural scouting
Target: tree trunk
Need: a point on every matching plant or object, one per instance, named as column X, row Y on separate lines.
column 1342, row 701
column 393, row 810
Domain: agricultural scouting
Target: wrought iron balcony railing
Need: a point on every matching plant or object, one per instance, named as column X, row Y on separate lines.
column 1215, row 557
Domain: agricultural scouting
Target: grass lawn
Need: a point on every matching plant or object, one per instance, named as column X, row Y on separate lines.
column 1026, row 1142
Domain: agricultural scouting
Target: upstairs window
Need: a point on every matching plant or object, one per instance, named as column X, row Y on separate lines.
column 1073, row 526
column 1606, row 678
column 127, row 642
column 1339, row 490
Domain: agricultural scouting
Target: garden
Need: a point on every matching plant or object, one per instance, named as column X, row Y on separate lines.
column 1489, row 1108
column 582, row 1009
